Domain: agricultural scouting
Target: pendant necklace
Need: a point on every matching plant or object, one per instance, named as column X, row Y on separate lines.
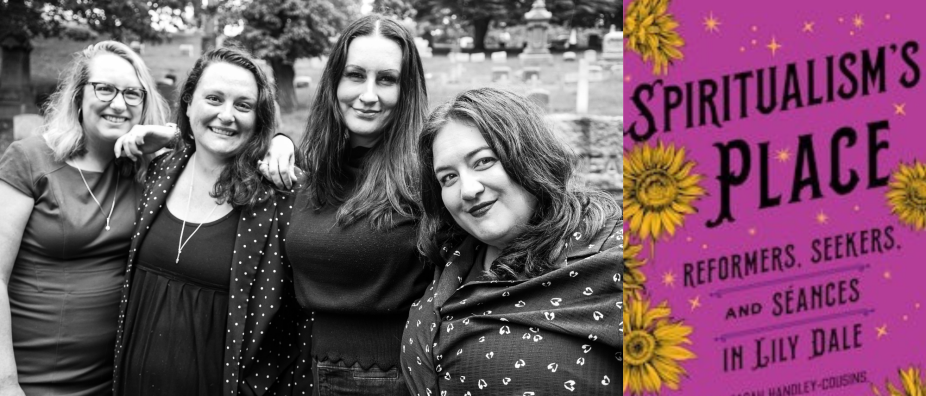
column 181, row 243
column 97, row 201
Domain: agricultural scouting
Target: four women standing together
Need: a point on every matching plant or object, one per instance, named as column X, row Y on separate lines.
column 235, row 286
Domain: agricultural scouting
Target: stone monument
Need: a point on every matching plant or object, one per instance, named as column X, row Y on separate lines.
column 613, row 46
column 538, row 22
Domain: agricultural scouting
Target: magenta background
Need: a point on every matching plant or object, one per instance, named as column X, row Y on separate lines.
column 712, row 55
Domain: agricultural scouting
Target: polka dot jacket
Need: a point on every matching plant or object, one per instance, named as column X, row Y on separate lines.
column 554, row 334
column 267, row 335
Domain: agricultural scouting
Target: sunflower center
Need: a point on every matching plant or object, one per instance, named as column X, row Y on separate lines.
column 641, row 346
column 657, row 190
column 918, row 193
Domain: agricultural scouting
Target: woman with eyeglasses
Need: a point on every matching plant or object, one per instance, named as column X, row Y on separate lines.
column 67, row 210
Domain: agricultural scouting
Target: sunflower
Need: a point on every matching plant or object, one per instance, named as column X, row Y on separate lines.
column 907, row 195
column 652, row 349
column 651, row 33
column 912, row 384
column 658, row 189
column 634, row 279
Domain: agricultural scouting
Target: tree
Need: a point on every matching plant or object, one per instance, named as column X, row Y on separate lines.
column 21, row 21
column 281, row 31
column 481, row 13
column 586, row 13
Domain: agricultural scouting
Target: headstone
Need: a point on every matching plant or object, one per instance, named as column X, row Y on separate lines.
column 595, row 73
column 500, row 57
column 613, row 46
column 591, row 55
column 26, row 125
column 138, row 47
column 569, row 56
column 501, row 73
column 540, row 97
column 531, row 72
column 302, row 82
column 424, row 49
column 582, row 88
column 538, row 22
column 477, row 57
column 166, row 88
column 456, row 73
column 186, row 50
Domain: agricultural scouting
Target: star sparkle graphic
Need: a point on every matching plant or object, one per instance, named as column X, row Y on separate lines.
column 882, row 331
column 695, row 302
column 822, row 218
column 774, row 45
column 899, row 109
column 783, row 155
column 668, row 279
column 858, row 21
column 711, row 23
column 808, row 27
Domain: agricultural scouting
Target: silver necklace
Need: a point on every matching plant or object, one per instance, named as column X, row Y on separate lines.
column 181, row 243
column 115, row 193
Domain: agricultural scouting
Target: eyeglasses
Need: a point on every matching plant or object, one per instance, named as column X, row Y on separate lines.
column 107, row 92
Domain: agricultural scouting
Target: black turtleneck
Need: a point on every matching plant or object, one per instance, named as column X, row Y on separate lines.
column 358, row 283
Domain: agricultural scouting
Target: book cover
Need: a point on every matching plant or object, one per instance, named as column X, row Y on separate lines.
column 774, row 198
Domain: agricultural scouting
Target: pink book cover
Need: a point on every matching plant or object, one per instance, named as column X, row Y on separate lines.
column 774, row 198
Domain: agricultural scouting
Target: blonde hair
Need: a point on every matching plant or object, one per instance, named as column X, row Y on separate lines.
column 62, row 129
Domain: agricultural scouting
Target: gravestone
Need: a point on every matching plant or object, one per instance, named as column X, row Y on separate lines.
column 500, row 57
column 302, row 82
column 582, row 88
column 138, row 47
column 424, row 49
column 540, row 97
column 569, row 56
column 591, row 56
column 186, row 50
column 501, row 73
column 538, row 22
column 531, row 72
column 599, row 145
column 166, row 88
column 26, row 125
column 613, row 46
column 477, row 57
column 595, row 73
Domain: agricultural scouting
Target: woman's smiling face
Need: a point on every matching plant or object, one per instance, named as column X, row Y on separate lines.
column 475, row 188
column 369, row 87
column 222, row 109
column 105, row 121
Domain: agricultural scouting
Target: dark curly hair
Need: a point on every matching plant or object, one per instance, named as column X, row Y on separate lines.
column 240, row 183
column 536, row 160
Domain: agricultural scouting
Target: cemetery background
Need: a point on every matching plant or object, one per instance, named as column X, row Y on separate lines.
column 593, row 134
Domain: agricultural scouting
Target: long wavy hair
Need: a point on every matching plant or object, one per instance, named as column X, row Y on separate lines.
column 536, row 160
column 240, row 183
column 62, row 128
column 389, row 173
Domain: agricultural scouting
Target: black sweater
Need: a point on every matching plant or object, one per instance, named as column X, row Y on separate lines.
column 357, row 283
